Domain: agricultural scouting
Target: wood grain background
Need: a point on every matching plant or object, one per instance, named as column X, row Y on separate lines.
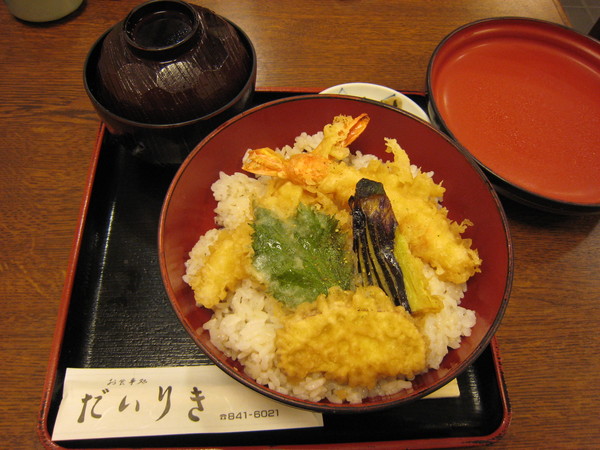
column 548, row 339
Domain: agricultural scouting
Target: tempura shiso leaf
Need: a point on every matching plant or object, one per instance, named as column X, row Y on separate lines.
column 300, row 257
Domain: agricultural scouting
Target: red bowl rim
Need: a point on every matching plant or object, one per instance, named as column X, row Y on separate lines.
column 326, row 407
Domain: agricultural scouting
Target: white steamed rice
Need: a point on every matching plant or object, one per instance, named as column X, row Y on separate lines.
column 244, row 326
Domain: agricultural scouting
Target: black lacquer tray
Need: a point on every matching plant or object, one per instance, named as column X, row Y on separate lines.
column 115, row 314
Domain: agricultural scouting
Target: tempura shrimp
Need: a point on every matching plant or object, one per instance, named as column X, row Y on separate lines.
column 309, row 168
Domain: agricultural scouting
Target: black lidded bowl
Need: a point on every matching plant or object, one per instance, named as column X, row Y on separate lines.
column 167, row 75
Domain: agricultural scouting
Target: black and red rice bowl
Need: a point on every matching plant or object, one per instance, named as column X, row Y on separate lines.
column 188, row 213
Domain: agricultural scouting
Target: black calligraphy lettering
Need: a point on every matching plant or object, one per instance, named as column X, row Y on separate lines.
column 161, row 395
column 93, row 413
column 84, row 400
column 197, row 397
column 123, row 405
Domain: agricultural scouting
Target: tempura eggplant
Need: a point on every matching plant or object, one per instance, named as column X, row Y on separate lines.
column 383, row 256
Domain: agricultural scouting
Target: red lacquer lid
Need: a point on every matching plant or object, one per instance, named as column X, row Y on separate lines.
column 523, row 97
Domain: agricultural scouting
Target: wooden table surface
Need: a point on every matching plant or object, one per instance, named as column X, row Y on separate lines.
column 548, row 339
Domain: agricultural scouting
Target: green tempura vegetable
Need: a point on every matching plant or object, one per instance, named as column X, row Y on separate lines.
column 417, row 291
column 301, row 257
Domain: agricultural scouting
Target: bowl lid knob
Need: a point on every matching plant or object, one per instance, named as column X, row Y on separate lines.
column 162, row 28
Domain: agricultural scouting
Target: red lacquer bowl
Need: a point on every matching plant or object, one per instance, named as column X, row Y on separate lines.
column 523, row 97
column 188, row 212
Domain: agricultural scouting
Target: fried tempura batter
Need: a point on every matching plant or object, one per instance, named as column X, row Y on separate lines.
column 227, row 264
column 354, row 338
column 431, row 235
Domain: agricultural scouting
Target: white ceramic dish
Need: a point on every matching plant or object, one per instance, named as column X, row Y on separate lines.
column 379, row 93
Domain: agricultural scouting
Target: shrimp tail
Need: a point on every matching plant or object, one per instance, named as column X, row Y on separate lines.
column 357, row 126
column 264, row 161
